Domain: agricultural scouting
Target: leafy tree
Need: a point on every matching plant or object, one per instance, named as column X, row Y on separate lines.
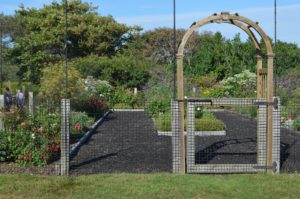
column 287, row 57
column 53, row 83
column 119, row 70
column 42, row 40
column 221, row 56
column 126, row 71
column 160, row 44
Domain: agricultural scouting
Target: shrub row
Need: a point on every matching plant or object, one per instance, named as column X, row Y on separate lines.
column 163, row 123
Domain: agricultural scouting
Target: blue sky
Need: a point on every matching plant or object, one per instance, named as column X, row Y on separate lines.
column 158, row 13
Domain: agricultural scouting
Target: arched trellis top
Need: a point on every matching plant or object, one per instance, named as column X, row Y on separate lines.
column 236, row 20
column 246, row 25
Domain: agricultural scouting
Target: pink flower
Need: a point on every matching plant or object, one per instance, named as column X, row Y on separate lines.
column 21, row 158
column 77, row 127
column 24, row 123
column 41, row 129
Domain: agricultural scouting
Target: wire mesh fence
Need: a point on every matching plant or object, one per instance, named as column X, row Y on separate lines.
column 221, row 136
column 30, row 138
column 290, row 135
column 121, row 140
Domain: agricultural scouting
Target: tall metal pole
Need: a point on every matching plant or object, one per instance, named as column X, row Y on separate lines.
column 1, row 52
column 275, row 50
column 175, row 49
column 66, row 47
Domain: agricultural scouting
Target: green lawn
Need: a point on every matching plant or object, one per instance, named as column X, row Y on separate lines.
column 151, row 186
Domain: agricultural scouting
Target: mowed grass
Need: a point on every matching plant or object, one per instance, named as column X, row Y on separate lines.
column 151, row 186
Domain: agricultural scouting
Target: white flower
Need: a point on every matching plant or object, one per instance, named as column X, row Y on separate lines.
column 33, row 136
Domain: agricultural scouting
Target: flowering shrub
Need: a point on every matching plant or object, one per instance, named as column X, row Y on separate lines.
column 16, row 140
column 16, row 119
column 36, row 154
column 46, row 125
column 80, row 122
column 30, row 140
column 96, row 106
column 240, row 85
column 125, row 98
column 26, row 148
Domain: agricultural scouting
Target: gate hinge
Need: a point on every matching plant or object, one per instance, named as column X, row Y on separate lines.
column 274, row 167
column 274, row 103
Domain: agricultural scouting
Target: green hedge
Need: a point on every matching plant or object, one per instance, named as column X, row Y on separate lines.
column 163, row 123
column 209, row 125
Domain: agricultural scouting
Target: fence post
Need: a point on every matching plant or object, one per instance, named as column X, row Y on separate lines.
column 30, row 102
column 2, row 112
column 190, row 137
column 65, row 137
column 262, row 135
column 175, row 137
column 276, row 135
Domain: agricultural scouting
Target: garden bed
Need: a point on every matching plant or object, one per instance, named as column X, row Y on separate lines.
column 205, row 125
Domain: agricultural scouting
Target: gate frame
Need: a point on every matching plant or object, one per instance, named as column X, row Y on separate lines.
column 260, row 166
column 245, row 24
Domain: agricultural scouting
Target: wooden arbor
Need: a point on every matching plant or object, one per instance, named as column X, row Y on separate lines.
column 264, row 77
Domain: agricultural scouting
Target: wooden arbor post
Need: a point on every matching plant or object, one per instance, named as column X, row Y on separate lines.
column 238, row 21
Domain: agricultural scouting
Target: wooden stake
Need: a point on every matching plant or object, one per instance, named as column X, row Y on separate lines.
column 181, row 113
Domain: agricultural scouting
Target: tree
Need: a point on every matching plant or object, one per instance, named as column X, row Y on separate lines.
column 53, row 83
column 42, row 40
column 287, row 57
column 160, row 44
column 226, row 57
column 121, row 70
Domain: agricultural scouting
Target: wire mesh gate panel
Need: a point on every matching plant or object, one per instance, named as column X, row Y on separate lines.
column 222, row 137
column 290, row 135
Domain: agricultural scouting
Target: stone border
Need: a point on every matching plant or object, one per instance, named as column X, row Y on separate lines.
column 129, row 110
column 87, row 135
column 196, row 133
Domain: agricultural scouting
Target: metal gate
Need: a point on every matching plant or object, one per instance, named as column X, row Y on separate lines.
column 240, row 147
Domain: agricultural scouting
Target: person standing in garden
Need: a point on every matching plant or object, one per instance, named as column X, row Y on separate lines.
column 20, row 99
column 7, row 99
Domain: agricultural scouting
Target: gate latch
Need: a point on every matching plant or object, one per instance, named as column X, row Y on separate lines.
column 274, row 103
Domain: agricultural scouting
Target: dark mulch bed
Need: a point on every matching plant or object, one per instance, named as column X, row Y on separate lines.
column 125, row 142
